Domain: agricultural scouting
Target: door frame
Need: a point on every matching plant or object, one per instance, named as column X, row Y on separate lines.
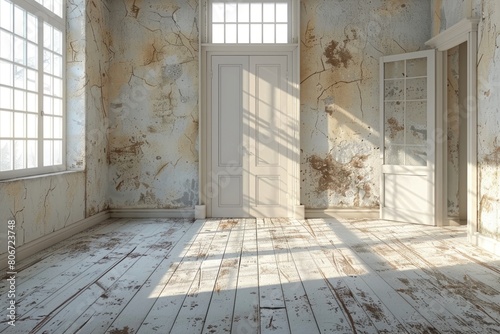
column 463, row 31
column 203, row 209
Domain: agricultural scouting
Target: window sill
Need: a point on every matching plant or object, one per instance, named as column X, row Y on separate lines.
column 38, row 176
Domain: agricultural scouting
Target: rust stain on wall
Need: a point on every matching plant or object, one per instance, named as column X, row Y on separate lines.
column 337, row 54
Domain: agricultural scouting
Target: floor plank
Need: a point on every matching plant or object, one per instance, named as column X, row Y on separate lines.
column 259, row 276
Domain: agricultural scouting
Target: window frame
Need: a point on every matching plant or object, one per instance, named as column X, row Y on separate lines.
column 291, row 38
column 44, row 15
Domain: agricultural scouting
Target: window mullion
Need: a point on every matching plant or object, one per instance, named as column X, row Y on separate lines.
column 40, row 92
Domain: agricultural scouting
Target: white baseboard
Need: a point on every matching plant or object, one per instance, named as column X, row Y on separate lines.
column 37, row 245
column 151, row 213
column 361, row 213
column 486, row 243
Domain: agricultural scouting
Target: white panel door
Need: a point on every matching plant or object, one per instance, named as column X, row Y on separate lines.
column 249, row 153
column 407, row 96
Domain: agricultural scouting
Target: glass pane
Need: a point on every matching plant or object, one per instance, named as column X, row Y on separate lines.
column 256, row 12
column 217, row 33
column 57, row 107
column 58, row 43
column 6, row 123
column 282, row 33
column 19, row 100
column 48, row 131
column 268, row 11
column 19, row 77
column 243, row 33
column 32, row 102
column 416, row 120
column 394, row 90
column 32, row 80
column 32, row 28
column 47, row 85
column 58, row 8
column 268, row 33
column 19, row 125
column 394, row 70
column 19, row 21
column 394, row 123
column 416, row 156
column 57, row 152
column 47, row 62
column 32, row 126
column 19, row 49
column 218, row 12
column 19, row 154
column 230, row 33
column 416, row 89
column 49, row 4
column 57, row 127
column 416, row 67
column 282, row 12
column 47, row 152
column 57, row 66
column 47, row 36
column 6, row 155
column 58, row 89
column 32, row 154
column 6, row 45
column 47, row 105
column 394, row 155
column 243, row 12
column 256, row 33
column 6, row 15
column 6, row 73
column 6, row 98
column 230, row 12
column 32, row 56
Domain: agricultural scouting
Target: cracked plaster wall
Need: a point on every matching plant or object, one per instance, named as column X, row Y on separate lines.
column 489, row 119
column 153, row 156
column 341, row 43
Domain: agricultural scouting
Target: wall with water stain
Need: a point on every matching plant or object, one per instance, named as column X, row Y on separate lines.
column 153, row 156
column 341, row 43
column 44, row 204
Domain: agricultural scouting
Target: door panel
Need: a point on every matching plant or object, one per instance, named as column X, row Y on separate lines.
column 268, row 162
column 229, row 99
column 408, row 128
column 248, row 150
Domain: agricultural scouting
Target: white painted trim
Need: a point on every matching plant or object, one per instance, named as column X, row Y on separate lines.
column 360, row 213
column 441, row 181
column 299, row 212
column 37, row 245
column 152, row 213
column 454, row 35
column 489, row 244
column 200, row 212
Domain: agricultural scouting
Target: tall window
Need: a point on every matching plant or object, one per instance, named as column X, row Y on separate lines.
column 32, row 117
column 253, row 22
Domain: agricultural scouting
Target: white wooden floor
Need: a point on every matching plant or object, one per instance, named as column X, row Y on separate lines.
column 259, row 276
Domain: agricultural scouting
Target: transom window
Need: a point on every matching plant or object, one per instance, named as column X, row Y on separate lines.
column 32, row 61
column 250, row 22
